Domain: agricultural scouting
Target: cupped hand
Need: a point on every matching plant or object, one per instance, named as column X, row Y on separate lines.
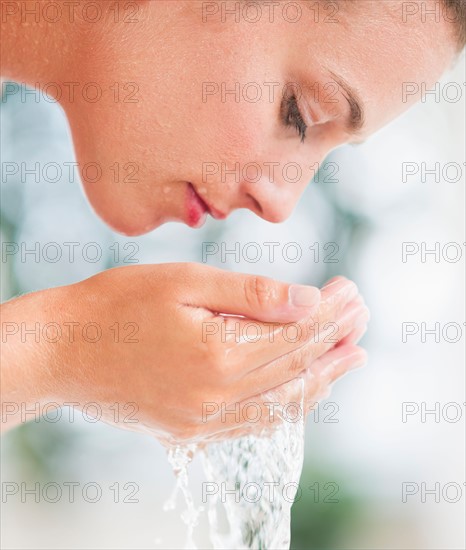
column 177, row 339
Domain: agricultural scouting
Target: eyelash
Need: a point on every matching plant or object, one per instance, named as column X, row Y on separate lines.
column 292, row 117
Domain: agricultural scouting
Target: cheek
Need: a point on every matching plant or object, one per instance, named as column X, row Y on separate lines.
column 237, row 131
column 115, row 164
column 191, row 133
column 241, row 135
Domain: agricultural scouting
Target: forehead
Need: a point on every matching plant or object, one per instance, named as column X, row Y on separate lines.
column 378, row 46
column 421, row 26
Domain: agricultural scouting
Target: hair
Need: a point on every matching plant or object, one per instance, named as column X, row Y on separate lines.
column 457, row 14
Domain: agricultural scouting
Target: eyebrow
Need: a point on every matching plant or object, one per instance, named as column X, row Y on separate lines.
column 356, row 120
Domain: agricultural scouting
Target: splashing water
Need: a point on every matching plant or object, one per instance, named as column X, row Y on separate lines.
column 179, row 458
column 252, row 483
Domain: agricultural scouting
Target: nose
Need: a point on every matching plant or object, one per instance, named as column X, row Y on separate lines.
column 274, row 195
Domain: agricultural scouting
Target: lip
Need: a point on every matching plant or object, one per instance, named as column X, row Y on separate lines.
column 197, row 209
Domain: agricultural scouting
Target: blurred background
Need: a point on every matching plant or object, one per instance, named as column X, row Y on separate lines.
column 380, row 471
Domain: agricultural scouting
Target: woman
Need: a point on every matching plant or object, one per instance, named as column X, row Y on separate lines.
column 183, row 109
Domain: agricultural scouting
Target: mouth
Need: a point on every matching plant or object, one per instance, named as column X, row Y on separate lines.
column 197, row 209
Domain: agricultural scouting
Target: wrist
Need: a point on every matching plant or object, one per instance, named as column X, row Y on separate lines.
column 33, row 363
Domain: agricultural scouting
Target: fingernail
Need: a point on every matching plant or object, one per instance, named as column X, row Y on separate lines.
column 304, row 296
column 342, row 285
column 360, row 361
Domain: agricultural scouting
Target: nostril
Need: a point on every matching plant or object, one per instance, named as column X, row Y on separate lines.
column 273, row 213
column 256, row 204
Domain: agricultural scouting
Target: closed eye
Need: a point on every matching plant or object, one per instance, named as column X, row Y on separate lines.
column 291, row 116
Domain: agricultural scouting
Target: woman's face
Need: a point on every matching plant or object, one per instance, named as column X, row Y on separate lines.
column 205, row 105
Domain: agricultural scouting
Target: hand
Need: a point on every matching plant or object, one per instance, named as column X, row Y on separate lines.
column 315, row 373
column 176, row 336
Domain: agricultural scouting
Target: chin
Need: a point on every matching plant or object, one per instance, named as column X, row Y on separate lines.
column 131, row 228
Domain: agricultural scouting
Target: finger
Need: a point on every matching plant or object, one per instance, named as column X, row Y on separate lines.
column 336, row 362
column 320, row 376
column 326, row 370
column 285, row 403
column 289, row 366
column 355, row 335
column 251, row 296
column 253, row 344
column 257, row 413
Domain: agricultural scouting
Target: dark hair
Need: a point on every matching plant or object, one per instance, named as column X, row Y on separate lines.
column 457, row 14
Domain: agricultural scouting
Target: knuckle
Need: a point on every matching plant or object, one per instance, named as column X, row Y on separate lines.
column 307, row 355
column 216, row 359
column 305, row 334
column 260, row 291
column 315, row 350
column 192, row 269
column 296, row 363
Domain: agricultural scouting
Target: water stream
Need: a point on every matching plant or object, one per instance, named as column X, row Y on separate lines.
column 251, row 485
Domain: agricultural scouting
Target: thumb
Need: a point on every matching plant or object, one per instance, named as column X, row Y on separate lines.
column 253, row 296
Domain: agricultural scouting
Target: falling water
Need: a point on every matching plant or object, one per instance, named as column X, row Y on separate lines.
column 179, row 458
column 254, row 480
